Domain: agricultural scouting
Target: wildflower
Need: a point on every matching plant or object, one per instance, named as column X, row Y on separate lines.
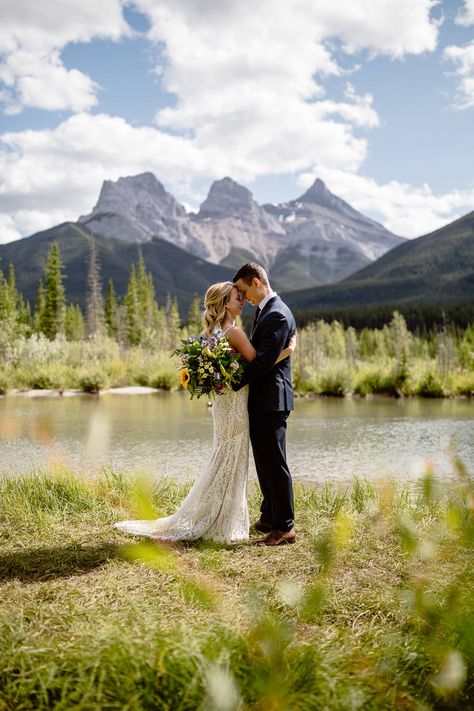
column 184, row 377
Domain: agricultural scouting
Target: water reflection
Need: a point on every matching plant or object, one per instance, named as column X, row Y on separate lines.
column 169, row 435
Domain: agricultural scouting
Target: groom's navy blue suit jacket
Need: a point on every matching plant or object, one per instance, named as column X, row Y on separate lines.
column 271, row 389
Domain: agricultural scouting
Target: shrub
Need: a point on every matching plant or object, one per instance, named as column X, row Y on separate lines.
column 92, row 382
column 464, row 384
column 394, row 382
column 430, row 385
column 141, row 377
column 165, row 380
column 42, row 378
column 4, row 384
column 336, row 383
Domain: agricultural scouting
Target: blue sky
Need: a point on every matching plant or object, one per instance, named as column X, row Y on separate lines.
column 376, row 97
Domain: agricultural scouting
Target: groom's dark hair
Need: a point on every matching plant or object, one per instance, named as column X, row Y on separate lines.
column 250, row 271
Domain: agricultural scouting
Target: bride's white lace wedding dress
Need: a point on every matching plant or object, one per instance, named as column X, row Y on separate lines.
column 216, row 506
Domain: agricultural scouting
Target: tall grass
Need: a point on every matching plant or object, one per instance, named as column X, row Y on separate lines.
column 372, row 608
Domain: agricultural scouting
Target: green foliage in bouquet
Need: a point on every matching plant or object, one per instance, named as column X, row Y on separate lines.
column 208, row 365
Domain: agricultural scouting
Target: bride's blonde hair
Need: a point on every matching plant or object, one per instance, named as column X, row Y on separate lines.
column 215, row 300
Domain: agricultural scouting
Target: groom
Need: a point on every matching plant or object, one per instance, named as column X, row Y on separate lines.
column 270, row 403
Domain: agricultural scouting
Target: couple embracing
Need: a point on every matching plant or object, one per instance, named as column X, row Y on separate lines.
column 216, row 506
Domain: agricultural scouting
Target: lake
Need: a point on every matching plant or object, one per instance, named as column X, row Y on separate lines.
column 169, row 435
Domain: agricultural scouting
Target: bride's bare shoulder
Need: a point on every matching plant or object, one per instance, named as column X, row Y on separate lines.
column 239, row 340
column 232, row 329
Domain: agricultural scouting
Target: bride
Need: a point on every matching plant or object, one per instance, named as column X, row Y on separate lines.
column 216, row 506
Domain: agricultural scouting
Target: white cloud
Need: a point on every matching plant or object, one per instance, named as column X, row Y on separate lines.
column 45, row 84
column 357, row 110
column 8, row 230
column 54, row 175
column 230, row 64
column 407, row 210
column 463, row 58
column 249, row 80
column 32, row 36
column 383, row 26
column 466, row 17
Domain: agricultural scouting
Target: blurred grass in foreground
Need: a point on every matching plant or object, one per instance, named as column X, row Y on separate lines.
column 373, row 608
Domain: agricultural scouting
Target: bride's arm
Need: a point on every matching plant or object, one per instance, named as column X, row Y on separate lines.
column 238, row 339
column 289, row 350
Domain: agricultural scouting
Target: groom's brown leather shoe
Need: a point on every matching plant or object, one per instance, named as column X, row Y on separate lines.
column 279, row 538
column 262, row 527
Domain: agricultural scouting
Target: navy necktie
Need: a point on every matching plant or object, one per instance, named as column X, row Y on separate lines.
column 257, row 314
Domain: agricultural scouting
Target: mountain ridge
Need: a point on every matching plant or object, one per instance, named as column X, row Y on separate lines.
column 325, row 240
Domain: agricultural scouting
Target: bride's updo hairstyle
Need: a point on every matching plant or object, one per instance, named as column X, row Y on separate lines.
column 215, row 300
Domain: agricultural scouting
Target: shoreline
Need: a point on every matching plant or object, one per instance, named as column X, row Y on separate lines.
column 145, row 390
column 127, row 390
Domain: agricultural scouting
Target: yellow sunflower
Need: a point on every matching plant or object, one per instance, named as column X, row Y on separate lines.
column 184, row 377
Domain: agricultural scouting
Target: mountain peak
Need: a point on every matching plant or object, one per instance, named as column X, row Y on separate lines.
column 142, row 192
column 225, row 198
column 320, row 195
column 137, row 208
column 143, row 183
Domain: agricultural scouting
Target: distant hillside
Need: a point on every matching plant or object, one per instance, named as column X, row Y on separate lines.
column 174, row 271
column 437, row 268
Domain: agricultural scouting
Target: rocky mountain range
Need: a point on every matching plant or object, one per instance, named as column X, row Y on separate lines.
column 436, row 269
column 313, row 240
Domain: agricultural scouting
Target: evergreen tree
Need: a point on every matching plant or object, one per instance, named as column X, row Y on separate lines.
column 54, row 313
column 143, row 293
column 173, row 322
column 194, row 316
column 162, row 340
column 110, row 311
column 398, row 337
column 149, row 310
column 75, row 324
column 9, row 298
column 352, row 346
column 95, row 302
column 132, row 310
column 12, row 312
column 40, row 305
column 24, row 316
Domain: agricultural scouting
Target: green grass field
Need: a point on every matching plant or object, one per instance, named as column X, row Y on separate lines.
column 372, row 608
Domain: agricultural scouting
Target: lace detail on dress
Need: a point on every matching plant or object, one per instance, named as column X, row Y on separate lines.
column 216, row 507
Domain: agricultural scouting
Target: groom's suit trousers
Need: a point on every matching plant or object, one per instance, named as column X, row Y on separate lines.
column 268, row 438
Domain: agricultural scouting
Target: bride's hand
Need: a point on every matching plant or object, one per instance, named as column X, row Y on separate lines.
column 292, row 344
column 289, row 350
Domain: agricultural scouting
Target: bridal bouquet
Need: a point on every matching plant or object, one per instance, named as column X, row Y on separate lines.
column 208, row 365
